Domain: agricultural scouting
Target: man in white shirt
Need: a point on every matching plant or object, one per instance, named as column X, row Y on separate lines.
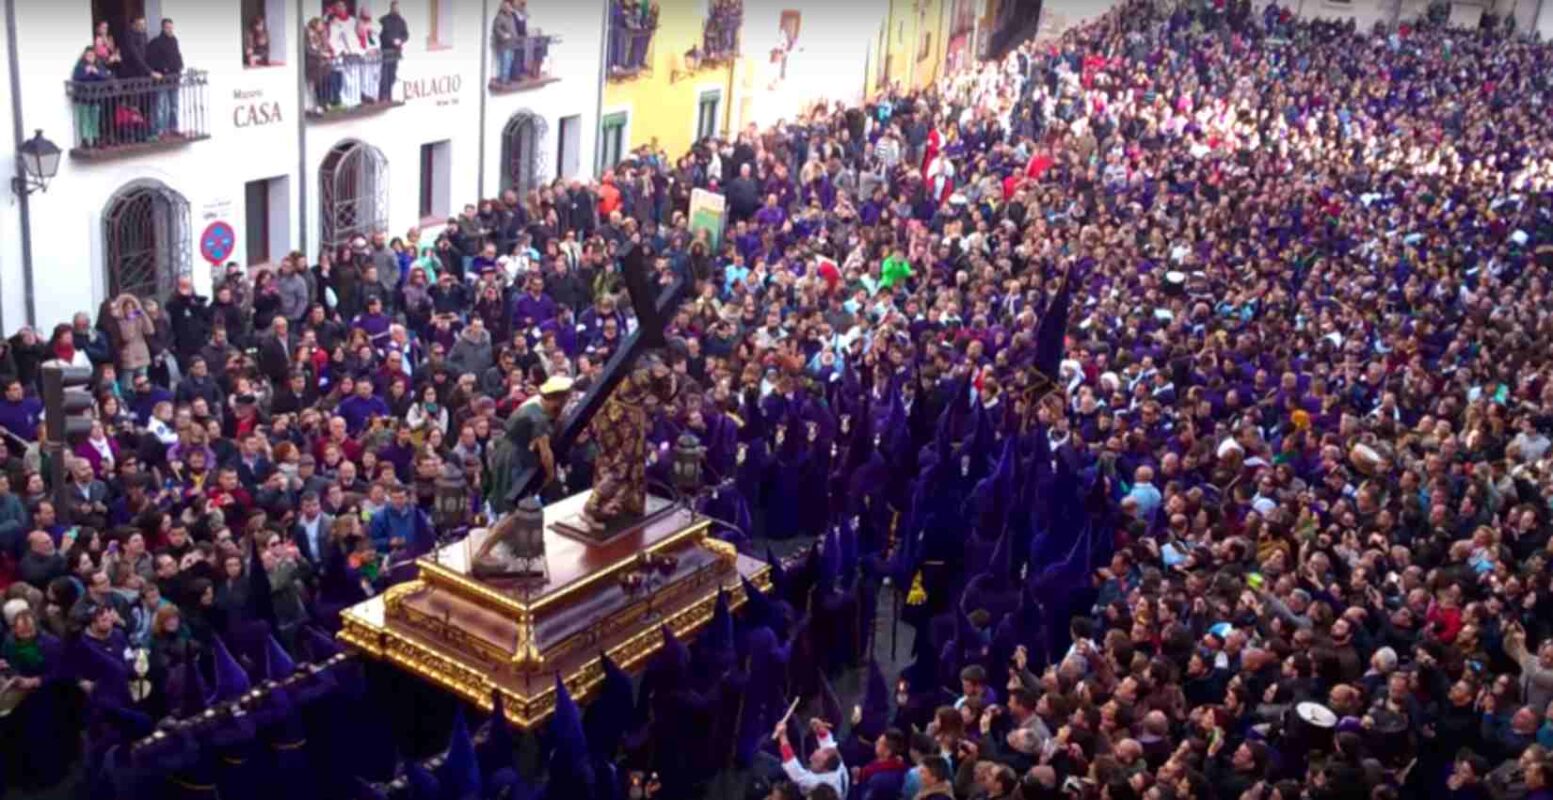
column 824, row 765
column 161, row 426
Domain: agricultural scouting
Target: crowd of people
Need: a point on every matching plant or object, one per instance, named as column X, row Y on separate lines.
column 351, row 59
column 1184, row 378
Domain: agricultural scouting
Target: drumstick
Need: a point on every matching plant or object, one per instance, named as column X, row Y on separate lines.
column 785, row 717
column 791, row 707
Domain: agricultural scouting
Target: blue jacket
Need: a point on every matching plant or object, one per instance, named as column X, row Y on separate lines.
column 356, row 410
column 22, row 418
column 412, row 525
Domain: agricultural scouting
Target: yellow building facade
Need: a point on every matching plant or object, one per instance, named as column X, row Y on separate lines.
column 919, row 41
column 672, row 89
column 696, row 78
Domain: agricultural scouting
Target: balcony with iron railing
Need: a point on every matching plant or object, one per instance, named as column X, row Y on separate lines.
column 719, row 41
column 351, row 85
column 523, row 64
column 121, row 117
column 630, row 49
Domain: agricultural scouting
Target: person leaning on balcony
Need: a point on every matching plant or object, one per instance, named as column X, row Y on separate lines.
column 88, row 113
column 163, row 54
column 618, row 38
column 636, row 35
column 107, row 49
column 319, row 73
column 649, row 23
column 166, row 60
column 504, row 39
column 527, row 62
column 392, row 36
column 134, row 63
column 345, row 48
column 371, row 68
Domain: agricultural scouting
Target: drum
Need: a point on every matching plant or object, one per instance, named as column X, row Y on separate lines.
column 1365, row 459
column 1310, row 728
column 1197, row 285
column 1175, row 283
column 1388, row 738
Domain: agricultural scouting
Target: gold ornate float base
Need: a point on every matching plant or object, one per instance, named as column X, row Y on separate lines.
column 472, row 636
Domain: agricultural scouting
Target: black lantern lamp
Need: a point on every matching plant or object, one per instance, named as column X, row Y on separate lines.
column 450, row 504
column 527, row 540
column 39, row 159
column 688, row 453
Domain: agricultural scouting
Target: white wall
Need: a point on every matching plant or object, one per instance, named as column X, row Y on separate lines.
column 67, row 232
column 1544, row 22
column 827, row 64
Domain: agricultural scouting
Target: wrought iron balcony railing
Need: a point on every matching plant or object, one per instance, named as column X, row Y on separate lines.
column 123, row 116
column 630, row 50
column 353, row 84
column 719, row 41
column 524, row 63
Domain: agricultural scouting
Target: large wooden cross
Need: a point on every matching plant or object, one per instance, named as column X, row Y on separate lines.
column 653, row 309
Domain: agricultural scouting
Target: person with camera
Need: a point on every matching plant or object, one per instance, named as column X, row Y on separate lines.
column 132, row 333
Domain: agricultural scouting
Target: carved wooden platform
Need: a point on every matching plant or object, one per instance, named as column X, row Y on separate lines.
column 577, row 527
column 471, row 635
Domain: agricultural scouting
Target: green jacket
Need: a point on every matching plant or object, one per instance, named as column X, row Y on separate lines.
column 892, row 271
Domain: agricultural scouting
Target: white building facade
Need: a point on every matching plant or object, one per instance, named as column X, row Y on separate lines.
column 803, row 52
column 237, row 161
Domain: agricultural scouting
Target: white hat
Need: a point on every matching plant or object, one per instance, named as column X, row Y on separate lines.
column 559, row 384
column 12, row 609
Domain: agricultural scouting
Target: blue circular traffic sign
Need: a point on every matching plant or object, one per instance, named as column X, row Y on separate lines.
column 217, row 242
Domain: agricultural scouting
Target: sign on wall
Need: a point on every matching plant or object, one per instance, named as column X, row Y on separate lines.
column 217, row 208
column 251, row 109
column 440, row 89
column 217, row 242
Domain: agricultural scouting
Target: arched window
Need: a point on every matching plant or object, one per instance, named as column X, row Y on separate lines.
column 521, row 146
column 146, row 240
column 352, row 192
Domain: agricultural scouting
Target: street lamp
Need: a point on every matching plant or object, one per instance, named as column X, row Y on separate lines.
column 39, row 158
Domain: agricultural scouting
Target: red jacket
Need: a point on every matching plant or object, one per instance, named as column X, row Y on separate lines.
column 880, row 767
column 609, row 199
column 1445, row 622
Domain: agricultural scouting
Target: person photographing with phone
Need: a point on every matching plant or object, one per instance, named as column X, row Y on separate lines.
column 132, row 331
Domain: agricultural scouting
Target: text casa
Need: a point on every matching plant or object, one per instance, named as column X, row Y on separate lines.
column 253, row 111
